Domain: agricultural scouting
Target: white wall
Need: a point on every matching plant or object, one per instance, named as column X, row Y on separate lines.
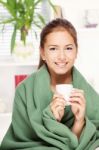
column 7, row 82
column 77, row 3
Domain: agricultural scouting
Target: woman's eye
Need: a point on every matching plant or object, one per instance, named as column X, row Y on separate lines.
column 53, row 48
column 69, row 48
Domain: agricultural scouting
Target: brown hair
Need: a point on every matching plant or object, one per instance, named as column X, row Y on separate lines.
column 56, row 25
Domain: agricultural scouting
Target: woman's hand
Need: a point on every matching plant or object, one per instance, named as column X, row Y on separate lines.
column 78, row 107
column 78, row 104
column 57, row 106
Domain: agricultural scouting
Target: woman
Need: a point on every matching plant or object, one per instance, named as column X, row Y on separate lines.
column 42, row 120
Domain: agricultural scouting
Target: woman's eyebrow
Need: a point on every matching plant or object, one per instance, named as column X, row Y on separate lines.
column 53, row 45
column 69, row 45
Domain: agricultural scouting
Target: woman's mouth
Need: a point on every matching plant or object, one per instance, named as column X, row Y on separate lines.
column 61, row 65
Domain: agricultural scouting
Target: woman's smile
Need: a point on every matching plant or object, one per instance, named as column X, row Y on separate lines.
column 61, row 64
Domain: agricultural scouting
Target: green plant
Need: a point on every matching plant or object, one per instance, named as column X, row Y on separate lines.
column 23, row 15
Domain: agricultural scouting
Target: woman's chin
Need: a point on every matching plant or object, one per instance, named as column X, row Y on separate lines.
column 61, row 72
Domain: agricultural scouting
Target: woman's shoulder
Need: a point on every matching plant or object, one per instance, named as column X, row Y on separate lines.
column 30, row 79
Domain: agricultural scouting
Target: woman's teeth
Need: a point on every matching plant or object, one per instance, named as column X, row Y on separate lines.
column 61, row 64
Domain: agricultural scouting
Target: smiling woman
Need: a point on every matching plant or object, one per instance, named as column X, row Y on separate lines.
column 42, row 118
column 59, row 52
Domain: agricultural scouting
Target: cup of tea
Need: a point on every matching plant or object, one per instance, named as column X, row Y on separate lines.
column 65, row 90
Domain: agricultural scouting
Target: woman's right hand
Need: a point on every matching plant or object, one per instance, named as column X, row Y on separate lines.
column 57, row 106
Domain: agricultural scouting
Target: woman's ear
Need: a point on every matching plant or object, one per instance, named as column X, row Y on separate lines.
column 42, row 53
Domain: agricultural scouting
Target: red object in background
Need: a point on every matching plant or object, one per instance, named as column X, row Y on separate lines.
column 19, row 78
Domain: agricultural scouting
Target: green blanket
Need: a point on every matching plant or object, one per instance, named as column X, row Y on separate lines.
column 33, row 125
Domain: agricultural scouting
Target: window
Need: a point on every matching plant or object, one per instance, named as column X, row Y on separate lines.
column 6, row 34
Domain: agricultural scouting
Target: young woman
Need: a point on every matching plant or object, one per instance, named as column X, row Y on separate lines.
column 42, row 120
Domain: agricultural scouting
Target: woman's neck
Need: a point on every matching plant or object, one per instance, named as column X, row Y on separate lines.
column 61, row 79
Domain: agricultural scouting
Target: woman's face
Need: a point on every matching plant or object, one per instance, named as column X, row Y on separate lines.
column 59, row 52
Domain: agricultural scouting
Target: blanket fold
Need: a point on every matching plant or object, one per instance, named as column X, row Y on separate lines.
column 33, row 125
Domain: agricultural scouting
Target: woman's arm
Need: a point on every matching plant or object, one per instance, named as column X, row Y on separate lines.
column 78, row 127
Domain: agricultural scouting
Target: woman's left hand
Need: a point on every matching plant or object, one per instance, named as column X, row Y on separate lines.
column 78, row 104
column 78, row 107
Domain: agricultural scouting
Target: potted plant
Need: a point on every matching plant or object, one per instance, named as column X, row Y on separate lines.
column 23, row 15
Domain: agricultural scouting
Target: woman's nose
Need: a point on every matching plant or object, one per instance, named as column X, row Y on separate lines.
column 61, row 55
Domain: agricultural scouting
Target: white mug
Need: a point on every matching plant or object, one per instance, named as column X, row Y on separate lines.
column 65, row 90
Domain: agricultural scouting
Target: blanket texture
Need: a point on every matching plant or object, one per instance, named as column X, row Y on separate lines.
column 33, row 125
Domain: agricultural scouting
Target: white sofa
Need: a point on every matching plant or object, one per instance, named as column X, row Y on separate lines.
column 5, row 120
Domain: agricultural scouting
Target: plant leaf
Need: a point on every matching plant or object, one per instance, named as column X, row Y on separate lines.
column 11, row 5
column 7, row 21
column 13, row 39
column 37, row 2
column 29, row 3
column 51, row 4
column 37, row 24
column 41, row 18
column 3, row 3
